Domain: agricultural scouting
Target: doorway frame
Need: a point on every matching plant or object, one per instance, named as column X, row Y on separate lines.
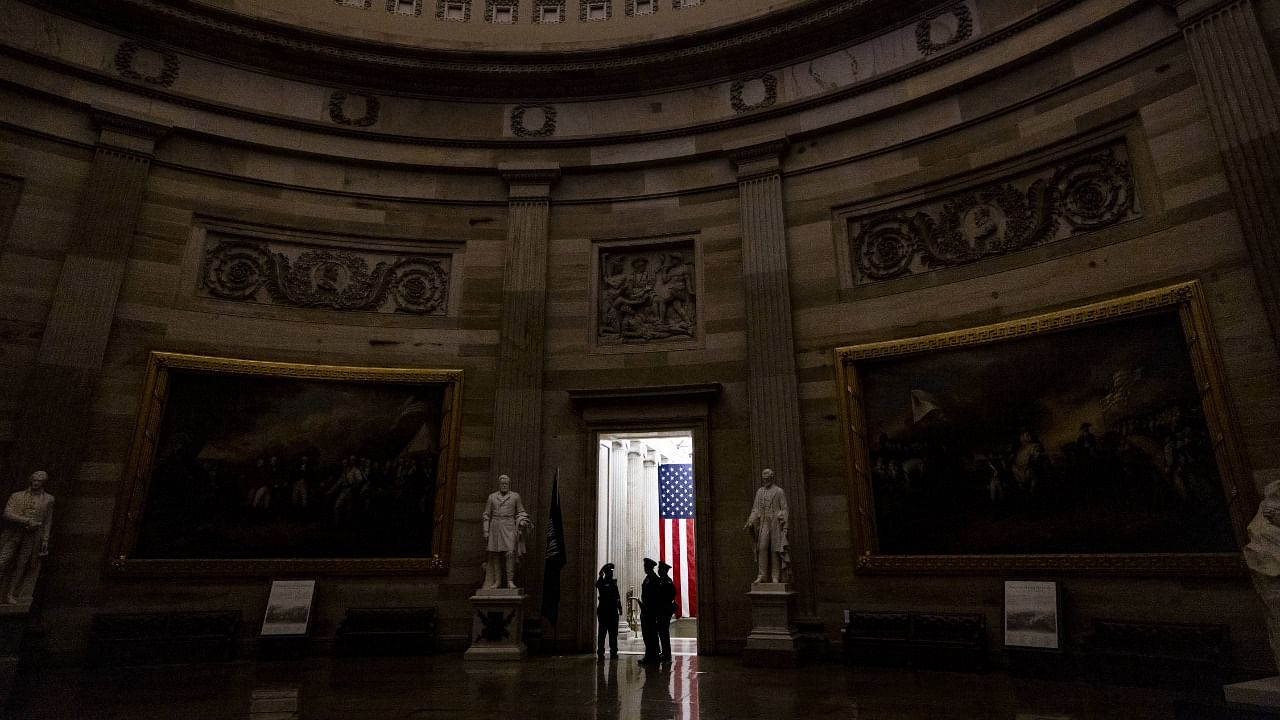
column 684, row 408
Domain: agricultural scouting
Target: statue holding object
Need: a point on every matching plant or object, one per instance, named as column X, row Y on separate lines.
column 768, row 526
column 505, row 525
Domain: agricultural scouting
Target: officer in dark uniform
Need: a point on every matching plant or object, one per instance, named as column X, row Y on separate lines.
column 608, row 611
column 665, row 610
column 651, row 595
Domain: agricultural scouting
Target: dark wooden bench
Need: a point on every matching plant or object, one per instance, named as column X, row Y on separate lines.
column 387, row 631
column 163, row 637
column 1159, row 653
column 937, row 640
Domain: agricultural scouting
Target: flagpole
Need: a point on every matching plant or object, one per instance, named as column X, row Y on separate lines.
column 555, row 636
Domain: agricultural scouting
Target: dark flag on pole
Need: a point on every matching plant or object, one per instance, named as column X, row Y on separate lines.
column 555, row 557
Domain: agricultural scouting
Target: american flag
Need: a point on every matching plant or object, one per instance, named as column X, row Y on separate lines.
column 675, row 534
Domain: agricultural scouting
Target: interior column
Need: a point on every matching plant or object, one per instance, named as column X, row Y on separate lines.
column 517, row 407
column 1242, row 95
column 774, row 402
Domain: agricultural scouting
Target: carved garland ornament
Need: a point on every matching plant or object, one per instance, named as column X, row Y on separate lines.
column 737, row 87
column 128, row 52
column 323, row 278
column 1079, row 195
column 547, row 129
column 338, row 112
column 963, row 30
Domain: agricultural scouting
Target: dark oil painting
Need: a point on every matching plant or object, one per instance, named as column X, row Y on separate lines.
column 1088, row 440
column 273, row 468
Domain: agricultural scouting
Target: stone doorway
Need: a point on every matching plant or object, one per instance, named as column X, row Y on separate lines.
column 650, row 413
column 646, row 509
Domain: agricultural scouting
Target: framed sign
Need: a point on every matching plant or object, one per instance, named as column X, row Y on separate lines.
column 1092, row 439
column 288, row 608
column 1033, row 615
column 243, row 467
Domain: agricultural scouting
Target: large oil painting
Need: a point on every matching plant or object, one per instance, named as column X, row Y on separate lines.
column 1088, row 439
column 240, row 465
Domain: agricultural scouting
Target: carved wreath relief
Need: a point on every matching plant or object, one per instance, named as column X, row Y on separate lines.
column 1078, row 195
column 315, row 277
column 647, row 295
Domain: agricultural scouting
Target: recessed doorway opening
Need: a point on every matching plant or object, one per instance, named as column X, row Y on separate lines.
column 645, row 509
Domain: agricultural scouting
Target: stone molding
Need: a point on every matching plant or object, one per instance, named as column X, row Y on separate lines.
column 126, row 132
column 757, row 157
column 623, row 134
column 760, row 42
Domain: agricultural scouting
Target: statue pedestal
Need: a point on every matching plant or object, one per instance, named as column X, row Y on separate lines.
column 498, row 625
column 773, row 641
column 1263, row 694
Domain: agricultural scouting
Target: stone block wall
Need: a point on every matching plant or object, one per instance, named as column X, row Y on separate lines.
column 1092, row 76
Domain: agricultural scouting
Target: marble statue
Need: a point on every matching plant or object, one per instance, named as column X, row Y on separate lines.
column 28, row 519
column 768, row 526
column 505, row 525
column 1262, row 554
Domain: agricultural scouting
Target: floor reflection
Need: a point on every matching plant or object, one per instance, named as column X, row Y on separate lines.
column 689, row 687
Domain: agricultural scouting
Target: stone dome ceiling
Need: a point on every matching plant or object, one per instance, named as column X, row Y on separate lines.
column 413, row 47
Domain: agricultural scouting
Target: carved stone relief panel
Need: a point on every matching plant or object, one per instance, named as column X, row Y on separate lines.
column 646, row 293
column 271, row 272
column 1075, row 195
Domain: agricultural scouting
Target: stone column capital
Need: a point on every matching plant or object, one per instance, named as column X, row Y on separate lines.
column 529, row 181
column 127, row 131
column 757, row 157
column 1190, row 11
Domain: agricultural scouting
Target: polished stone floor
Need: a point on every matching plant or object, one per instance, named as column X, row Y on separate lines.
column 569, row 687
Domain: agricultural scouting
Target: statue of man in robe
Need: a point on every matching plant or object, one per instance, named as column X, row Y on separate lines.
column 505, row 524
column 768, row 526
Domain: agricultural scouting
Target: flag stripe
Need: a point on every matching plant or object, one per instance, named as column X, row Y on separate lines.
column 691, row 556
column 676, row 533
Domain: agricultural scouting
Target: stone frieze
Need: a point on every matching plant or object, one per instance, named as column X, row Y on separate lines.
column 1074, row 196
column 327, row 278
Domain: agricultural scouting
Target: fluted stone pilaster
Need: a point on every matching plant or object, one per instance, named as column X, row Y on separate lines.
column 1238, row 78
column 55, row 407
column 517, row 411
column 774, row 399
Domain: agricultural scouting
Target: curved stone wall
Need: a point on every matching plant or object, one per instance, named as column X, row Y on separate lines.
column 1085, row 90
column 472, row 27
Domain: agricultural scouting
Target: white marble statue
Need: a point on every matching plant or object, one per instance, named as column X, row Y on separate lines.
column 28, row 518
column 1263, row 557
column 505, row 525
column 768, row 526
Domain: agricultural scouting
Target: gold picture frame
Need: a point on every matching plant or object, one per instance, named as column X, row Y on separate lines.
column 256, row 468
column 955, row 471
